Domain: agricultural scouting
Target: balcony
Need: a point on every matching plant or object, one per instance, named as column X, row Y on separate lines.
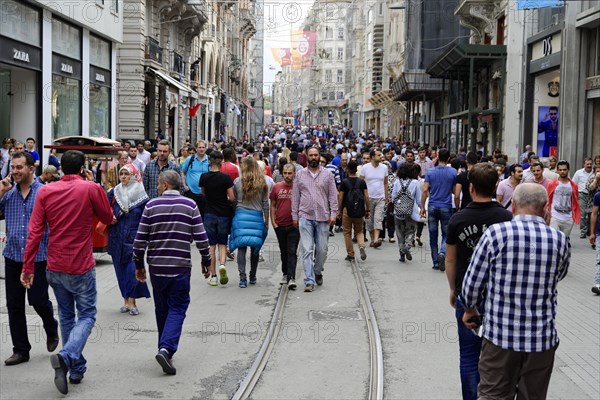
column 480, row 16
column 177, row 64
column 200, row 9
column 247, row 23
column 153, row 51
column 416, row 84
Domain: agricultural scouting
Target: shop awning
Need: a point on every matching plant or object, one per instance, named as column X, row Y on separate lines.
column 248, row 105
column 416, row 84
column 186, row 90
column 457, row 59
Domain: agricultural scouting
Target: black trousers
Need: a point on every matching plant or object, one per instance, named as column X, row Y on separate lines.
column 288, row 238
column 199, row 199
column 15, row 303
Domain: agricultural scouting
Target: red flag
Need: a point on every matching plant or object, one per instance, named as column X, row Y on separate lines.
column 194, row 110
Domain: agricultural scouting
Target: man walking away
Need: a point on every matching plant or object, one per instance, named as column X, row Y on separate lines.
column 519, row 324
column 562, row 197
column 314, row 208
column 288, row 236
column 68, row 209
column 218, row 191
column 438, row 186
column 464, row 231
column 353, row 200
column 16, row 203
column 169, row 259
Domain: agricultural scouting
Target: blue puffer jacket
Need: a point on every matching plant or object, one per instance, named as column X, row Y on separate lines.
column 247, row 230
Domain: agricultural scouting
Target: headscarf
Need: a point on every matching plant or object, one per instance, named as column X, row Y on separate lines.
column 133, row 194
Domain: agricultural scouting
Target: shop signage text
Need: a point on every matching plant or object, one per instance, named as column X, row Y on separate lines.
column 100, row 78
column 66, row 68
column 21, row 55
column 592, row 83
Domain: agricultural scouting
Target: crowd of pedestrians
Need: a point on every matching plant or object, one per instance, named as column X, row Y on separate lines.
column 310, row 185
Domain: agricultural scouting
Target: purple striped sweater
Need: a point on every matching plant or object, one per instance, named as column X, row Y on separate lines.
column 168, row 226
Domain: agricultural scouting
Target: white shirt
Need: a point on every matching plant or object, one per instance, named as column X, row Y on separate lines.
column 580, row 178
column 374, row 177
column 561, row 202
column 139, row 164
column 144, row 157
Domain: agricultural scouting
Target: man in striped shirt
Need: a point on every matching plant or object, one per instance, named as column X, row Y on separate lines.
column 520, row 263
column 168, row 225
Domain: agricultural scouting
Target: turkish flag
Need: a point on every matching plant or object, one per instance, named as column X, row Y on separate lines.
column 194, row 110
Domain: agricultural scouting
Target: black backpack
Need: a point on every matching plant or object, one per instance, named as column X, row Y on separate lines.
column 355, row 200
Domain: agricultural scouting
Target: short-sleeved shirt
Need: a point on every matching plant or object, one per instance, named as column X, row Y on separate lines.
column 374, row 177
column 193, row 171
column 281, row 196
column 216, row 184
column 597, row 204
column 348, row 184
column 506, row 191
column 561, row 202
column 466, row 228
column 466, row 195
column 441, row 180
column 230, row 169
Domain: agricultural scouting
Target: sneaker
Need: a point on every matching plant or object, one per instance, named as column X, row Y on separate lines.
column 213, row 281
column 596, row 289
column 230, row 255
column 363, row 253
column 292, row 284
column 331, row 234
column 134, row 311
column 253, row 280
column 402, row 259
column 418, row 239
column 392, row 240
column 319, row 279
column 243, row 283
column 435, row 267
column 284, row 280
column 442, row 259
column 164, row 359
column 223, row 275
column 349, row 258
column 309, row 288
column 408, row 255
column 261, row 258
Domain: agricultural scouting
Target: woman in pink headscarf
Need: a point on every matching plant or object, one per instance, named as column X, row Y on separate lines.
column 127, row 199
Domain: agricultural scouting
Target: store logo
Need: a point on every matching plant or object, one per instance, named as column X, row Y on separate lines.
column 553, row 88
column 66, row 68
column 20, row 55
column 547, row 46
column 100, row 78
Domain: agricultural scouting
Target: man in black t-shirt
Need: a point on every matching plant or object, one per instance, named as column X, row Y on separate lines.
column 355, row 217
column 462, row 184
column 218, row 191
column 464, row 231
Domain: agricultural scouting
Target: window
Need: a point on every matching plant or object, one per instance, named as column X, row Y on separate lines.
column 370, row 41
column 328, row 77
column 370, row 16
column 66, row 39
column 99, row 111
column 66, row 107
column 99, row 52
column 323, row 95
column 340, row 76
column 340, row 34
column 340, row 95
column 329, row 52
column 328, row 32
column 380, row 8
column 331, row 95
column 340, row 53
column 20, row 22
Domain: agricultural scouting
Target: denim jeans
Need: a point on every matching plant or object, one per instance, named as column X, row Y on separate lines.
column 15, row 303
column 597, row 280
column 435, row 215
column 75, row 292
column 171, row 300
column 288, row 238
column 314, row 236
column 469, row 349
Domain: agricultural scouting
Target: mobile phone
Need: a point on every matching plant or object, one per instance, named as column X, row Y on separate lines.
column 477, row 330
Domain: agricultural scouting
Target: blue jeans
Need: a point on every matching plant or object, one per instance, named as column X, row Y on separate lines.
column 171, row 300
column 469, row 349
column 597, row 280
column 435, row 215
column 314, row 236
column 75, row 292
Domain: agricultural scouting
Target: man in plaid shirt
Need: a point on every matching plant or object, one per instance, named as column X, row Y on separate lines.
column 519, row 263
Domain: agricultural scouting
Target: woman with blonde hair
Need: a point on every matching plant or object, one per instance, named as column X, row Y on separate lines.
column 250, row 223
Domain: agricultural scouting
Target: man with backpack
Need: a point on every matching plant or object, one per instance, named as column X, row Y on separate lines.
column 353, row 198
column 406, row 196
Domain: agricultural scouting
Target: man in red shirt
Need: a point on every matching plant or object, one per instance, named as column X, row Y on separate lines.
column 69, row 207
column 288, row 235
column 229, row 166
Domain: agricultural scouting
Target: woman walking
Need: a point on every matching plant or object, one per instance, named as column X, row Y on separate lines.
column 251, row 220
column 127, row 199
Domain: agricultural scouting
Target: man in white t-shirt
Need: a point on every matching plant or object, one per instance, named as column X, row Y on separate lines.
column 135, row 160
column 142, row 154
column 375, row 175
column 562, row 197
column 581, row 178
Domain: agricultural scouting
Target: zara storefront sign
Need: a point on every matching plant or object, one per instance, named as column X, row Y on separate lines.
column 100, row 78
column 67, row 68
column 20, row 55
